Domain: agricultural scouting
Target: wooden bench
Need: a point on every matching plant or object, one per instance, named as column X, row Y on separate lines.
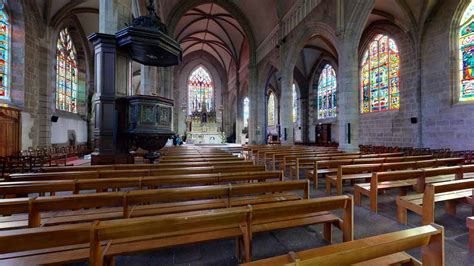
column 404, row 179
column 386, row 249
column 119, row 237
column 13, row 189
column 309, row 163
column 364, row 171
column 470, row 227
column 279, row 158
column 424, row 203
column 149, row 166
column 132, row 173
column 99, row 240
column 42, row 211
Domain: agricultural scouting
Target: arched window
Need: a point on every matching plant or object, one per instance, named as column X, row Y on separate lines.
column 4, row 52
column 66, row 73
column 271, row 109
column 466, row 54
column 200, row 91
column 380, row 76
column 246, row 111
column 294, row 95
column 327, row 84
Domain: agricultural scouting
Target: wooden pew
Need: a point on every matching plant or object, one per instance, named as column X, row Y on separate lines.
column 386, row 249
column 364, row 171
column 332, row 168
column 470, row 227
column 131, row 204
column 132, row 173
column 424, row 203
column 406, row 178
column 11, row 189
column 309, row 163
column 278, row 157
column 140, row 234
column 149, row 166
column 289, row 160
column 85, row 241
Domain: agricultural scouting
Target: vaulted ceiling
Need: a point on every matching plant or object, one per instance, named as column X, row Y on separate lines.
column 211, row 29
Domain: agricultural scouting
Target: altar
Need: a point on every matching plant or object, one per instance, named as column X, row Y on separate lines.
column 204, row 127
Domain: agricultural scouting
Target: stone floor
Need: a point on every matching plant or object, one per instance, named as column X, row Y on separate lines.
column 281, row 242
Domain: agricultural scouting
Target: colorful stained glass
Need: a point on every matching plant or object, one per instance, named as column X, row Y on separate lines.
column 200, row 91
column 327, row 107
column 4, row 52
column 271, row 109
column 294, row 95
column 466, row 54
column 380, row 76
column 66, row 73
column 246, row 111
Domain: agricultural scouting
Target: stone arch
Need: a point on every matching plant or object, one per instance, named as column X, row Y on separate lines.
column 394, row 126
column 454, row 50
column 182, row 73
column 310, row 31
column 84, row 58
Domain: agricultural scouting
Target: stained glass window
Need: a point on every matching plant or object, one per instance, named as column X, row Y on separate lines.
column 4, row 51
column 200, row 91
column 294, row 95
column 66, row 73
column 466, row 54
column 327, row 84
column 246, row 111
column 380, row 76
column 271, row 109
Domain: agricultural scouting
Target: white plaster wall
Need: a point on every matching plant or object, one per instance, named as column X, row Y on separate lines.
column 59, row 130
column 26, row 126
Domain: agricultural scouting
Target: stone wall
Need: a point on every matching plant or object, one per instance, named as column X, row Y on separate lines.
column 446, row 123
column 394, row 128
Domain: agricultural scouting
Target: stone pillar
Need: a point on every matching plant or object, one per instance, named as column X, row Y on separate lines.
column 111, row 79
column 148, row 80
column 257, row 109
column 304, row 114
column 286, row 106
column 348, row 97
column 114, row 15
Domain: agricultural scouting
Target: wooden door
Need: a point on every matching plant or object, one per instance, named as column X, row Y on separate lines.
column 9, row 131
column 323, row 134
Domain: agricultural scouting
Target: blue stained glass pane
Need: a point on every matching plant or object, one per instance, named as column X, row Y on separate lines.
column 327, row 93
column 379, row 76
column 4, row 51
column 66, row 81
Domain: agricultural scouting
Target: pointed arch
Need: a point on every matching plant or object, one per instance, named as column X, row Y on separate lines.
column 4, row 52
column 200, row 90
column 246, row 111
column 326, row 99
column 295, row 111
column 271, row 109
column 380, row 76
column 466, row 54
column 66, row 73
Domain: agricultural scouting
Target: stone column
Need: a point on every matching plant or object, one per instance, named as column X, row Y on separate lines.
column 286, row 106
column 304, row 114
column 111, row 80
column 348, row 97
column 148, row 80
column 257, row 109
